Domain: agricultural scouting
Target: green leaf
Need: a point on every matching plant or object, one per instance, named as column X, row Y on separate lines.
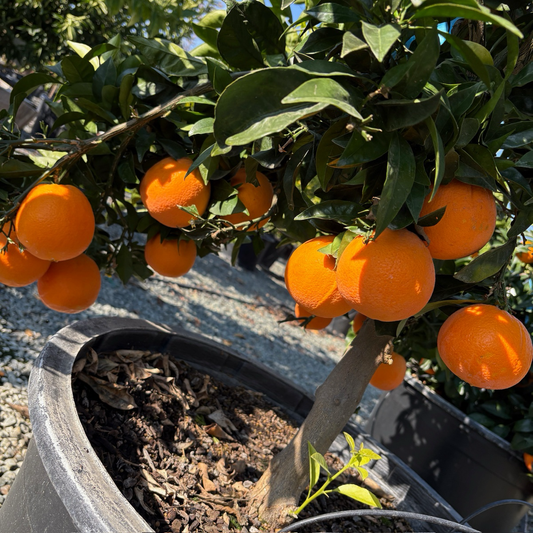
column 462, row 100
column 319, row 459
column 483, row 419
column 143, row 142
column 327, row 150
column 522, row 441
column 206, row 34
column 200, row 160
column 320, row 41
column 359, row 494
column 203, row 126
column 342, row 211
column 66, row 118
column 525, row 425
column 469, row 128
column 251, row 108
column 420, row 66
column 125, row 98
column 250, row 30
column 399, row 180
column 172, row 148
column 444, row 303
column 453, row 10
column 403, row 113
column 77, row 69
column 438, row 147
column 359, row 150
column 470, row 56
column 328, row 91
column 380, row 39
column 479, row 50
column 487, row 264
column 314, row 468
column 291, row 172
column 106, row 74
column 169, row 57
column 497, row 408
column 519, row 139
column 432, row 218
column 333, row 13
column 321, row 67
column 349, row 440
column 351, row 43
column 96, row 109
column 523, row 77
column 124, row 266
column 526, row 161
column 14, row 168
column 28, row 83
column 220, row 77
column 224, row 199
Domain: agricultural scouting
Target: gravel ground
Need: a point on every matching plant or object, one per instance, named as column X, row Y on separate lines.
column 236, row 307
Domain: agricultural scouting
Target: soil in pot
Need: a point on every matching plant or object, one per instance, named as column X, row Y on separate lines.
column 184, row 448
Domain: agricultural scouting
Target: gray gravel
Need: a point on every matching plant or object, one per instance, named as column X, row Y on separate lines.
column 230, row 305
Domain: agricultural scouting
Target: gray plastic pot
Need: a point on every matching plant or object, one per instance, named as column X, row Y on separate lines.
column 466, row 463
column 62, row 486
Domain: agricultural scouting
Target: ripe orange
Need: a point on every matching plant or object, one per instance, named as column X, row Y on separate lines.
column 388, row 377
column 316, row 323
column 310, row 279
column 388, row 279
column 358, row 321
column 485, row 346
column 55, row 222
column 528, row 461
column 70, row 286
column 18, row 269
column 526, row 257
column 164, row 187
column 468, row 222
column 171, row 258
column 257, row 200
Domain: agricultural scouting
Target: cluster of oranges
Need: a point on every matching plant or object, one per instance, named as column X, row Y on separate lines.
column 165, row 189
column 55, row 225
column 392, row 278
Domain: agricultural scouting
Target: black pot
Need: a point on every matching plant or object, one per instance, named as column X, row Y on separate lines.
column 62, row 486
column 464, row 462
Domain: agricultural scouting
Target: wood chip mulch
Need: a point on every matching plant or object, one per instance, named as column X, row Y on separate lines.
column 185, row 449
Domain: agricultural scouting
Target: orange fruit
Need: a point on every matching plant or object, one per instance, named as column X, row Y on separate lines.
column 318, row 322
column 164, row 187
column 55, row 222
column 485, row 346
column 18, row 269
column 388, row 279
column 358, row 321
column 171, row 258
column 388, row 377
column 468, row 222
column 528, row 461
column 257, row 200
column 311, row 281
column 526, row 257
column 70, row 286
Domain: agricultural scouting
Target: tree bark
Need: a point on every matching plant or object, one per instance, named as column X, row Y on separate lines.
column 278, row 490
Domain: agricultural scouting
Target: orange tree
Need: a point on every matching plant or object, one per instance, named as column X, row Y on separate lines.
column 360, row 115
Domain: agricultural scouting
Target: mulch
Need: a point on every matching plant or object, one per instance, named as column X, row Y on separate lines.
column 185, row 449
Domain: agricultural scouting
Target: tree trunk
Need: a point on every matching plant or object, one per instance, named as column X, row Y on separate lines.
column 278, row 490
